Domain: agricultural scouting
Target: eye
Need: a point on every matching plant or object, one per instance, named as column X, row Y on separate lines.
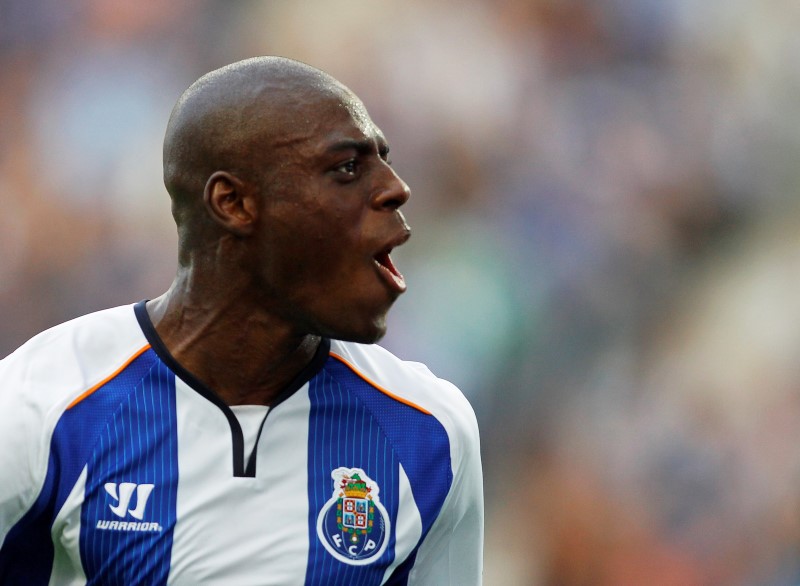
column 348, row 167
column 384, row 154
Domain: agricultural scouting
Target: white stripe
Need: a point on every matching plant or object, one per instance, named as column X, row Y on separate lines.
column 66, row 535
column 240, row 530
column 408, row 528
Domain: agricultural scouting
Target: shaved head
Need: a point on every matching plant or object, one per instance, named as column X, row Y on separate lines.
column 285, row 199
column 232, row 119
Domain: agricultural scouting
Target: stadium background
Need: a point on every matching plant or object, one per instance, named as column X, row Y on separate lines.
column 606, row 255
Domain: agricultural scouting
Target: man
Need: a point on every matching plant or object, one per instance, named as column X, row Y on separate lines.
column 242, row 428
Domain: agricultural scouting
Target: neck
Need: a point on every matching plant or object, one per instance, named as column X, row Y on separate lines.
column 242, row 352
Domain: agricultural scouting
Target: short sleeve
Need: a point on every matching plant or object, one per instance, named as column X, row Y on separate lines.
column 452, row 552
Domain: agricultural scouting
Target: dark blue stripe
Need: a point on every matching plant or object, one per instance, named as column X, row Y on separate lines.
column 20, row 562
column 27, row 553
column 334, row 439
column 354, row 425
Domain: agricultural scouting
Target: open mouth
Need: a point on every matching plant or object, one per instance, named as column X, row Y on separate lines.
column 389, row 271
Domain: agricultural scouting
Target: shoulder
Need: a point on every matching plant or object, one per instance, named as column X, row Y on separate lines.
column 412, row 383
column 38, row 383
column 69, row 358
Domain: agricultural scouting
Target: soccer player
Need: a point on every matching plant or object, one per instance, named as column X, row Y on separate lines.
column 243, row 427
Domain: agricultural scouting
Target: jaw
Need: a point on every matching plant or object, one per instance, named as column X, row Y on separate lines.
column 357, row 318
column 341, row 292
column 361, row 327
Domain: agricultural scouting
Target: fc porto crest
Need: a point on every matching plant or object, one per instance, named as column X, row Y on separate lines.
column 353, row 525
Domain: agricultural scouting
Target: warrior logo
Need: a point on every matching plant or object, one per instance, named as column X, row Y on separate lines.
column 353, row 525
column 123, row 493
column 124, row 498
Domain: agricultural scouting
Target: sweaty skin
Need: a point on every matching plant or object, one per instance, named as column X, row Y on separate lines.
column 286, row 208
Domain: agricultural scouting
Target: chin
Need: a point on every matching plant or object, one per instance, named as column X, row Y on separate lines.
column 367, row 334
column 362, row 337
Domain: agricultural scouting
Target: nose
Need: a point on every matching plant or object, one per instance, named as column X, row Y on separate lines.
column 392, row 192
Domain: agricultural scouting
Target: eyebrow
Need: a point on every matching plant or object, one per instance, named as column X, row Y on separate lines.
column 362, row 147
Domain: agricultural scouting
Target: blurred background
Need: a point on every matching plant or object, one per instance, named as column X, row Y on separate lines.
column 606, row 256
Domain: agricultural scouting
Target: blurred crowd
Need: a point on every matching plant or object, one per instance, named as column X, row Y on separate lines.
column 606, row 250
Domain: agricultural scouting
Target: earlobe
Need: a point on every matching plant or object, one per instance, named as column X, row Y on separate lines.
column 230, row 203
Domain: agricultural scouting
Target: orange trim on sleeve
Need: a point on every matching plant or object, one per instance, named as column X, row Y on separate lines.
column 85, row 394
column 380, row 388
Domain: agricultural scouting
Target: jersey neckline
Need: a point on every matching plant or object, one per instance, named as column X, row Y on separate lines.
column 242, row 466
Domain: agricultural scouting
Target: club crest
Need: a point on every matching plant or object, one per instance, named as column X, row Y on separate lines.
column 353, row 525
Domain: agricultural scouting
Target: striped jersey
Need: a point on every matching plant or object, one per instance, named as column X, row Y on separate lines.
column 118, row 467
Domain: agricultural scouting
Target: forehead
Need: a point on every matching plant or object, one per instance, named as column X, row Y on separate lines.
column 327, row 119
column 359, row 115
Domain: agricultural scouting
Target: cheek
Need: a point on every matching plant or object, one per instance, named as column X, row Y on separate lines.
column 304, row 259
column 311, row 240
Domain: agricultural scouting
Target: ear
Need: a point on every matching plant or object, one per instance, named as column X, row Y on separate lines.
column 231, row 203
